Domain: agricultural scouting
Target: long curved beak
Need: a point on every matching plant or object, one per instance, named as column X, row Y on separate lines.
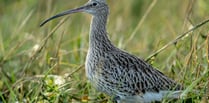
column 80, row 9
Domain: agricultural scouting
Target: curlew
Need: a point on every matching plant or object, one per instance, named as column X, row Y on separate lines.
column 123, row 76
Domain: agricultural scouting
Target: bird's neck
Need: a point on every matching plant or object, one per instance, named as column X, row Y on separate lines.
column 98, row 38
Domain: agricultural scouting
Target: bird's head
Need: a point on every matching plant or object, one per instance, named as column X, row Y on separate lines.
column 93, row 7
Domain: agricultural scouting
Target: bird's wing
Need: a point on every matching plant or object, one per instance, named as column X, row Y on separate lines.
column 129, row 74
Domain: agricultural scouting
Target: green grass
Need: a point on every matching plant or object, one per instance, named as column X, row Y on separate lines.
column 32, row 59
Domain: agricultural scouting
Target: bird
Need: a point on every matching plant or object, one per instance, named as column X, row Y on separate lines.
column 124, row 77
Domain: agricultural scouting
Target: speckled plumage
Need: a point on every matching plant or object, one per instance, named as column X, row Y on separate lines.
column 116, row 72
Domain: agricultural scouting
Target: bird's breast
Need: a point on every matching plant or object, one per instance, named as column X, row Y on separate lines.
column 91, row 65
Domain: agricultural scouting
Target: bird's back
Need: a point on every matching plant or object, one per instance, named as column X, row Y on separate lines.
column 119, row 73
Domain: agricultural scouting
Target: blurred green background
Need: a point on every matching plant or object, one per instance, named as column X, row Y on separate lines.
column 25, row 68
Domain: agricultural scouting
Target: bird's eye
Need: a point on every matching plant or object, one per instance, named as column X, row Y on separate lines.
column 94, row 4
